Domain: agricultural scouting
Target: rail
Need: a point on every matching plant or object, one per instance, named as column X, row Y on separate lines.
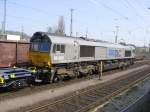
column 85, row 100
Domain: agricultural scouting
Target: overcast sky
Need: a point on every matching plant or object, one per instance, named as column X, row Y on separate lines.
column 99, row 17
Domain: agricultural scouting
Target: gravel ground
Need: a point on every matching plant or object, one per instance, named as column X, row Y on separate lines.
column 15, row 103
column 122, row 101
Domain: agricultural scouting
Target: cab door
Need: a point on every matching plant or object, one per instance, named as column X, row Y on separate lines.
column 76, row 50
column 58, row 53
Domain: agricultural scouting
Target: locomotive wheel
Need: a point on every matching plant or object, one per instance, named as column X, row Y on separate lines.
column 90, row 72
column 123, row 67
column 56, row 79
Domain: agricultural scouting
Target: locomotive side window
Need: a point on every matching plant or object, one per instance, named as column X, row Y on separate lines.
column 35, row 45
column 58, row 48
column 62, row 48
column 87, row 51
column 44, row 47
column 127, row 53
column 54, row 48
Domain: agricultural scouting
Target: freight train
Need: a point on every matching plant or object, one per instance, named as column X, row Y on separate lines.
column 55, row 58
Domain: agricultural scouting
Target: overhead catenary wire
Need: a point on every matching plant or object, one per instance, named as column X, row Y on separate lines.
column 94, row 1
column 135, row 10
column 38, row 10
column 46, row 13
column 139, row 26
column 100, row 3
column 144, row 9
column 22, row 18
column 51, row 14
column 109, row 8
column 34, row 9
column 127, row 6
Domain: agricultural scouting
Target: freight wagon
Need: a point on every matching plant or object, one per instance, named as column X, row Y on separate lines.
column 13, row 53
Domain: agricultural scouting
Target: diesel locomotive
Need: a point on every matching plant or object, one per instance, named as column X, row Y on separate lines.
column 58, row 57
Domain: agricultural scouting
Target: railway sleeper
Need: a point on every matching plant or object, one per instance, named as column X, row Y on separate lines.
column 93, row 95
column 103, row 92
column 82, row 102
column 66, row 107
column 96, row 95
column 72, row 103
column 87, row 98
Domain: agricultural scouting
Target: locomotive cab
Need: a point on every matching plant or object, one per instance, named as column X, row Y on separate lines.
column 40, row 50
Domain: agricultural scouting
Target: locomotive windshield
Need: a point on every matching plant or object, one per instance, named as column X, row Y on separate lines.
column 40, row 44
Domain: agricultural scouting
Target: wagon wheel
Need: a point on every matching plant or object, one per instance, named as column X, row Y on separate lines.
column 90, row 72
column 77, row 74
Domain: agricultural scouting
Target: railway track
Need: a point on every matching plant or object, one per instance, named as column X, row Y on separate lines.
column 31, row 90
column 83, row 101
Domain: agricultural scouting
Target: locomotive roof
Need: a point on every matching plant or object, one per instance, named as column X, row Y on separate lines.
column 80, row 41
column 71, row 40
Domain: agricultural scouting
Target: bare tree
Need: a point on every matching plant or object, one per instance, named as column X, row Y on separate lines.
column 61, row 26
column 60, row 29
column 52, row 30
column 49, row 30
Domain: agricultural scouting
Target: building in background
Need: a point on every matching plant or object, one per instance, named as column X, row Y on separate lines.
column 142, row 49
column 14, row 36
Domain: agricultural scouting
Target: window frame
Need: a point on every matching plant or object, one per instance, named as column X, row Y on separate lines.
column 60, row 50
column 41, row 42
column 49, row 47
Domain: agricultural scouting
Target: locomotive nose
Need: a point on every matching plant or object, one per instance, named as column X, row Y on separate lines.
column 40, row 59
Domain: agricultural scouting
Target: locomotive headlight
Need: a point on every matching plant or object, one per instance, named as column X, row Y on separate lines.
column 49, row 63
column 1, row 80
column 12, row 76
column 33, row 70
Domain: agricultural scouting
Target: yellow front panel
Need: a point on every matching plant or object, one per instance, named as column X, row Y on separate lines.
column 40, row 59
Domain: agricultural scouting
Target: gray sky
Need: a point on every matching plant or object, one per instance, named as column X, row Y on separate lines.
column 99, row 17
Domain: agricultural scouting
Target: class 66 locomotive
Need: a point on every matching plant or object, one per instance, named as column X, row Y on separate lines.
column 57, row 58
